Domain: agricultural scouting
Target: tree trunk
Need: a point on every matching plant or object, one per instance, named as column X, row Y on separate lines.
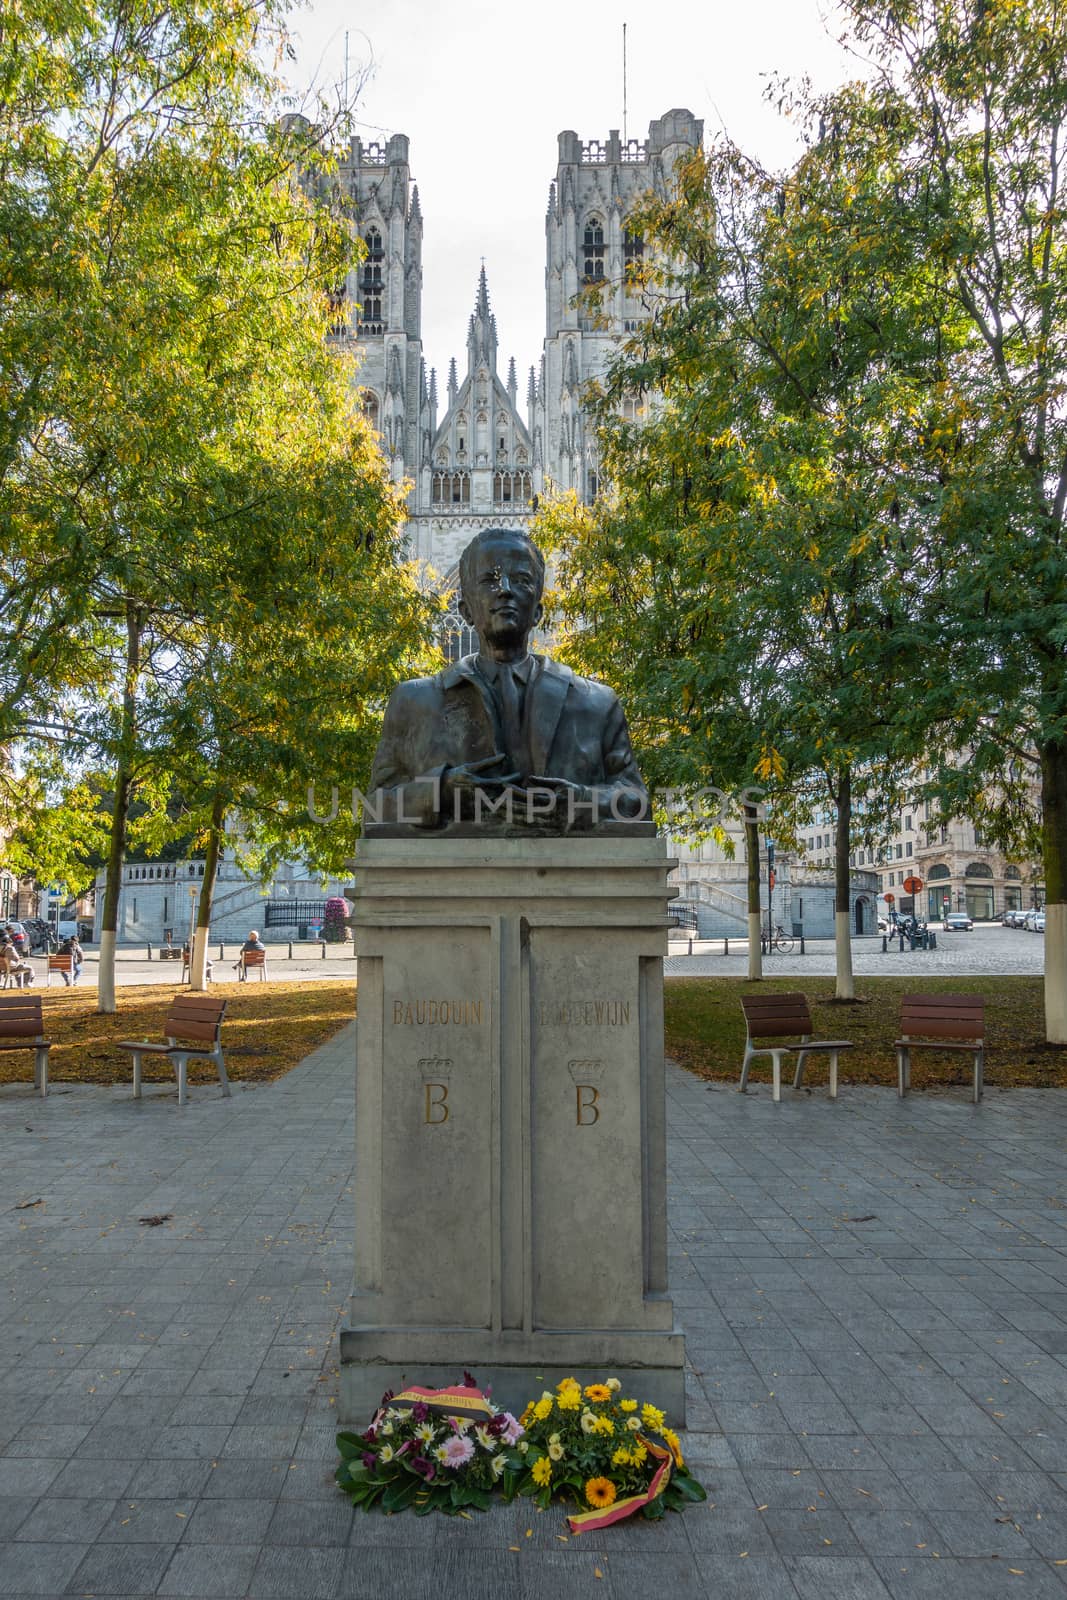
column 198, row 954
column 1054, row 851
column 109, row 921
column 752, row 862
column 845, row 988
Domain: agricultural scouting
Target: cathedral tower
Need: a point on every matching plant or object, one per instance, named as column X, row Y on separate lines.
column 588, row 244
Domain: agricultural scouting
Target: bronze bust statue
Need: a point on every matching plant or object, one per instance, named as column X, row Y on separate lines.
column 505, row 740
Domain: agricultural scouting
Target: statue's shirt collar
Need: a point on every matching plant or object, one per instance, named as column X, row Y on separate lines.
column 489, row 669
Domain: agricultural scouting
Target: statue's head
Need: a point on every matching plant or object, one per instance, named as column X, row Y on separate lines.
column 501, row 580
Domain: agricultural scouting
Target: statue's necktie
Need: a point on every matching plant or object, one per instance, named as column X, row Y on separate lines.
column 510, row 718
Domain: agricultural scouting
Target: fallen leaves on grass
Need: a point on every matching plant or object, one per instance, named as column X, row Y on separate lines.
column 268, row 1029
column 705, row 1031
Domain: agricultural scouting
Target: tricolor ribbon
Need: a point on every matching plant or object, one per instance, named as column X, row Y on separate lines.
column 458, row 1401
column 619, row 1510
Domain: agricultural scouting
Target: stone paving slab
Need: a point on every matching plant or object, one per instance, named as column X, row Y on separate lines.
column 988, row 948
column 874, row 1294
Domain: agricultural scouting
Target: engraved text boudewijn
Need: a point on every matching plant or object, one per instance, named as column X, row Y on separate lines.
column 583, row 1013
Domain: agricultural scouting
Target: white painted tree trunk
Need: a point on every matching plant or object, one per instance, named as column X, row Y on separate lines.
column 105, row 983
column 198, row 959
column 846, row 988
column 755, row 953
column 1056, row 973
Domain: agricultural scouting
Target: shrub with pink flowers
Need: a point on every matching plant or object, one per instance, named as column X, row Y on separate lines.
column 440, row 1449
column 335, row 920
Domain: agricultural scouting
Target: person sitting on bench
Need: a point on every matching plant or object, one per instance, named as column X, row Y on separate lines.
column 253, row 942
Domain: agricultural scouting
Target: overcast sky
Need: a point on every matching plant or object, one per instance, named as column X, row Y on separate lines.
column 483, row 88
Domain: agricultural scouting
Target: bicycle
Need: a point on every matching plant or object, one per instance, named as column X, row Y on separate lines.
column 781, row 941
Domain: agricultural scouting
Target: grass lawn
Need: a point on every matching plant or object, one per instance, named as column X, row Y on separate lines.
column 267, row 1029
column 706, row 1031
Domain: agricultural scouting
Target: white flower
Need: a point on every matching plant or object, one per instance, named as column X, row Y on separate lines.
column 614, row 1385
column 426, row 1432
column 440, row 1454
column 498, row 1464
column 386, row 1429
column 485, row 1439
column 524, row 1445
column 588, row 1422
column 401, row 1416
column 386, row 1453
column 633, row 1423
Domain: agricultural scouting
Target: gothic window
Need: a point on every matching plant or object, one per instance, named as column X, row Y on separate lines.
column 451, row 489
column 375, row 251
column 633, row 248
column 593, row 251
column 592, row 485
column 512, row 488
column 370, row 284
column 457, row 638
column 371, row 408
column 632, row 407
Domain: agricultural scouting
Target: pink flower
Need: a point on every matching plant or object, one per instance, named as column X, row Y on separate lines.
column 457, row 1450
column 513, row 1431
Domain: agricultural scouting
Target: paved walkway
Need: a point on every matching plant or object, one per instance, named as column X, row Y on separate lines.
column 874, row 1293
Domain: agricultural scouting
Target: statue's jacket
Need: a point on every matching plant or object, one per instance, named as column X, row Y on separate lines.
column 574, row 728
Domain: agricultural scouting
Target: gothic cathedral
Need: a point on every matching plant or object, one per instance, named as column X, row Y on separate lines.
column 481, row 461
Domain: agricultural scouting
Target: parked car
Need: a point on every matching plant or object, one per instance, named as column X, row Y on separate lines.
column 1015, row 918
column 1030, row 919
column 1039, row 921
column 957, row 922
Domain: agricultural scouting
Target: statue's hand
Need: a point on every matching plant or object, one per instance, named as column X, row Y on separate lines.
column 479, row 775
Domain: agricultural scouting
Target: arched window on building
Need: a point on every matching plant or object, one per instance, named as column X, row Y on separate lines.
column 938, row 891
column 370, row 284
column 632, row 408
column 979, row 894
column 372, row 408
column 593, row 251
column 592, row 485
column 1013, row 873
column 456, row 637
column 633, row 249
column 451, row 489
column 512, row 488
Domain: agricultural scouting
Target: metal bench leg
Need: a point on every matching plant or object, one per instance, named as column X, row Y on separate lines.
column 181, row 1065
column 979, row 1068
column 742, row 1087
column 776, row 1076
column 903, row 1071
column 40, row 1070
column 136, row 1074
column 798, row 1075
column 833, row 1074
column 223, row 1079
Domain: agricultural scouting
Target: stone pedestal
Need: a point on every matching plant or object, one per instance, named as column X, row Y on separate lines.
column 510, row 1139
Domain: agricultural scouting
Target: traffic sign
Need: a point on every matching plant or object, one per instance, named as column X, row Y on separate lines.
column 912, row 885
column 889, row 899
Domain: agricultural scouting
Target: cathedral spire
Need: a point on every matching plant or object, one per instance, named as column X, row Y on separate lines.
column 481, row 331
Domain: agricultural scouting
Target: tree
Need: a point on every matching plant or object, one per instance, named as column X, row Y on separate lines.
column 753, row 524
column 176, row 426
column 979, row 94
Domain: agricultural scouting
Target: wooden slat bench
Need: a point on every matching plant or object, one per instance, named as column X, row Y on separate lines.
column 252, row 959
column 193, row 1017
column 941, row 1022
column 63, row 964
column 774, row 1016
column 22, row 1028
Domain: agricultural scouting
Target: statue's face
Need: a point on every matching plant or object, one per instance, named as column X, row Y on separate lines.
column 504, row 599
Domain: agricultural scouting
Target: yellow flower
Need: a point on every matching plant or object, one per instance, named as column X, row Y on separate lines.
column 588, row 1422
column 570, row 1399
column 597, row 1391
column 672, row 1441
column 542, row 1471
column 614, row 1385
column 600, row 1491
column 567, row 1383
column 527, row 1416
column 604, row 1425
column 542, row 1409
column 638, row 1455
column 628, row 1405
column 621, row 1458
column 634, row 1424
column 653, row 1417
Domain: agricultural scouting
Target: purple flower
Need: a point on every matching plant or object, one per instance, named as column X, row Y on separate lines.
column 472, row 1383
column 423, row 1467
column 419, row 1412
column 513, row 1430
column 458, row 1451
column 369, row 1461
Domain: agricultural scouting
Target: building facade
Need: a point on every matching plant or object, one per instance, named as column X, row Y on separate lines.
column 473, row 454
